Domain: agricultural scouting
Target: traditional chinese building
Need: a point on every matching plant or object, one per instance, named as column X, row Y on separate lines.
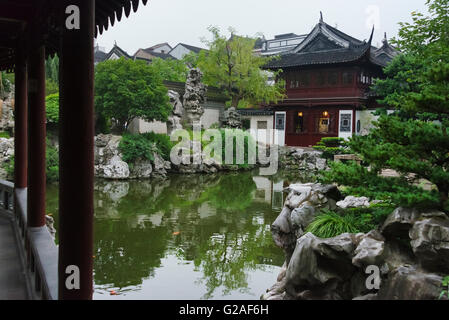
column 328, row 74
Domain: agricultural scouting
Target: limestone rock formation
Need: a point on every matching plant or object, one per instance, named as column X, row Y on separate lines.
column 410, row 283
column 232, row 119
column 194, row 97
column 411, row 253
column 7, row 112
column 301, row 206
column 353, row 202
column 430, row 242
column 174, row 120
column 299, row 159
column 110, row 165
column 108, row 161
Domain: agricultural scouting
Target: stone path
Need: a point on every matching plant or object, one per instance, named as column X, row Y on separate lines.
column 12, row 278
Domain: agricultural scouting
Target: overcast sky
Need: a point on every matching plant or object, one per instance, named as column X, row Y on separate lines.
column 186, row 21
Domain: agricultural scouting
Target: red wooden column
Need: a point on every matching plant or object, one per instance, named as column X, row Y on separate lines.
column 76, row 141
column 36, row 137
column 20, row 120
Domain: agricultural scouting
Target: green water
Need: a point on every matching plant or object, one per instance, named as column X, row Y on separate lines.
column 188, row 237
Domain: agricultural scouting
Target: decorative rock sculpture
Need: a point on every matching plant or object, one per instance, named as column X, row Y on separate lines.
column 232, row 119
column 174, row 120
column 194, row 97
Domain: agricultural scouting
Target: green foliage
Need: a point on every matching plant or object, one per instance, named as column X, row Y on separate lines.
column 127, row 89
column 142, row 146
column 360, row 181
column 231, row 65
column 51, row 87
column 136, row 146
column 5, row 134
column 162, row 143
column 52, row 164
column 52, row 70
column 329, row 224
column 6, row 81
column 170, row 69
column 413, row 141
column 330, row 146
column 445, row 284
column 52, row 108
column 238, row 135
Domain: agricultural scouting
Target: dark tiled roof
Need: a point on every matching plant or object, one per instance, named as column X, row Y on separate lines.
column 259, row 43
column 192, row 48
column 316, row 58
column 255, row 112
column 99, row 56
column 384, row 54
column 158, row 54
column 118, row 51
column 46, row 14
column 285, row 35
column 158, row 46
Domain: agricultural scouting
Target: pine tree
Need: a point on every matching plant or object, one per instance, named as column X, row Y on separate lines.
column 414, row 140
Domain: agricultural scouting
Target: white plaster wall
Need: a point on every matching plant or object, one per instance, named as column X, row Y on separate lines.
column 366, row 118
column 164, row 48
column 348, row 134
column 209, row 117
column 179, row 52
column 261, row 135
column 155, row 126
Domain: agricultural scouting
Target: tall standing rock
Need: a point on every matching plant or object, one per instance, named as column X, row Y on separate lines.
column 174, row 120
column 194, row 97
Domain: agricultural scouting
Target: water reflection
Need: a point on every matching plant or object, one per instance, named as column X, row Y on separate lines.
column 188, row 237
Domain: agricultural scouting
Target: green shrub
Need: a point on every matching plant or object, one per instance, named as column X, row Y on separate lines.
column 51, row 87
column 52, row 108
column 361, row 181
column 136, row 146
column 329, row 224
column 162, row 142
column 445, row 285
column 5, row 134
column 331, row 146
column 52, row 165
column 142, row 146
column 248, row 140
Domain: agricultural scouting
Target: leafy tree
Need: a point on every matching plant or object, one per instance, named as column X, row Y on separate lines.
column 170, row 69
column 52, row 69
column 51, row 87
column 414, row 140
column 230, row 64
column 6, row 81
column 127, row 89
column 52, row 108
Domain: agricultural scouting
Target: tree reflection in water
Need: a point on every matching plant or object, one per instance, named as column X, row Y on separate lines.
column 213, row 221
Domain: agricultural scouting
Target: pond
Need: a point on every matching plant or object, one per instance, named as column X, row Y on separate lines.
column 187, row 237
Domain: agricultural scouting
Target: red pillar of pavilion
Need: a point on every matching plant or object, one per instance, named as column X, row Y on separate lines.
column 76, row 141
column 36, row 137
column 20, row 121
